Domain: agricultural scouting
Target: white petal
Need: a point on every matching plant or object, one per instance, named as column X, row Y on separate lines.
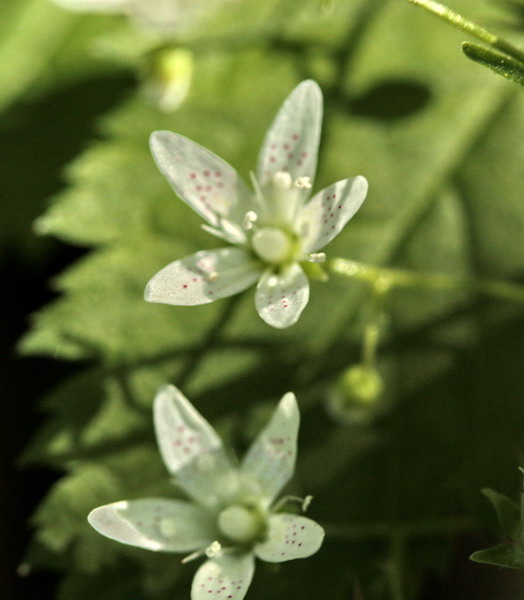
column 291, row 144
column 328, row 211
column 191, row 449
column 280, row 299
column 203, row 277
column 289, row 537
column 154, row 524
column 94, row 5
column 225, row 577
column 271, row 458
column 207, row 183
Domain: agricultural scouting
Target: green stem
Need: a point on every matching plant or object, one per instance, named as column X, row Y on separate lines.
column 470, row 27
column 432, row 281
column 394, row 567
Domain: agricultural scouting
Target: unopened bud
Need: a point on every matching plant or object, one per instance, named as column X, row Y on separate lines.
column 357, row 395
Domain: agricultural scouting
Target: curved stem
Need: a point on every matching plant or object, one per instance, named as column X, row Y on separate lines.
column 400, row 278
column 472, row 28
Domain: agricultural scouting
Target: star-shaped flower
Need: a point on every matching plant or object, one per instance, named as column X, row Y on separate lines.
column 232, row 517
column 272, row 230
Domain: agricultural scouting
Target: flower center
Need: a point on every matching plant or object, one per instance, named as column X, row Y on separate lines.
column 240, row 524
column 272, row 245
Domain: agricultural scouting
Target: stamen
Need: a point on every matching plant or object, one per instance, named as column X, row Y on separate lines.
column 193, row 556
column 233, row 232
column 212, row 276
column 213, row 231
column 304, row 502
column 249, row 218
column 303, row 183
column 213, row 549
column 258, row 192
column 282, row 180
column 317, row 257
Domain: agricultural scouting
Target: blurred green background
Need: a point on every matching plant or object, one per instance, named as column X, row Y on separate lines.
column 439, row 139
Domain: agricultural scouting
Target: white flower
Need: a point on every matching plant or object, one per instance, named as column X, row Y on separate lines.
column 163, row 16
column 231, row 517
column 272, row 230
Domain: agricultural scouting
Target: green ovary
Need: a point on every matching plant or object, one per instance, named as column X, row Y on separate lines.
column 240, row 524
column 273, row 245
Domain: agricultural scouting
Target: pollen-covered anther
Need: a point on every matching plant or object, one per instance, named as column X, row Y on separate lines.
column 249, row 219
column 317, row 257
column 282, row 180
column 212, row 276
column 307, row 501
column 303, row 183
column 213, row 549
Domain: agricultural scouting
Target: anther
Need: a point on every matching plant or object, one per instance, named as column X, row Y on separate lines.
column 303, row 183
column 317, row 257
column 213, row 549
column 306, row 503
column 249, row 218
column 282, row 180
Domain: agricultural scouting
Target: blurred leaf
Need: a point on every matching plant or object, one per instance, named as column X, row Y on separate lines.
column 503, row 555
column 504, row 65
column 508, row 512
column 441, row 146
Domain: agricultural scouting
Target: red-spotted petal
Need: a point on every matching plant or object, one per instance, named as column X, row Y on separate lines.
column 289, row 537
column 155, row 524
column 328, row 211
column 280, row 299
column 225, row 577
column 191, row 449
column 291, row 144
column 271, row 458
column 203, row 277
column 203, row 180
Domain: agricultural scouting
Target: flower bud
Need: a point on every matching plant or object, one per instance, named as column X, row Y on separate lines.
column 357, row 397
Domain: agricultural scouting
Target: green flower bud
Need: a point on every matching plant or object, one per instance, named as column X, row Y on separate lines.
column 357, row 397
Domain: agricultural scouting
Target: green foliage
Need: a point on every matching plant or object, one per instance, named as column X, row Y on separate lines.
column 504, row 65
column 509, row 554
column 440, row 143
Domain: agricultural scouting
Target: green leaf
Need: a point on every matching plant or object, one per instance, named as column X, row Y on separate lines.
column 503, row 64
column 503, row 555
column 508, row 512
column 444, row 160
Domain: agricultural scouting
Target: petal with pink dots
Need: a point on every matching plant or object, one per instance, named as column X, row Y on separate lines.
column 203, row 180
column 271, row 458
column 225, row 577
column 155, row 524
column 191, row 449
column 327, row 212
column 291, row 143
column 203, row 277
column 280, row 299
column 289, row 537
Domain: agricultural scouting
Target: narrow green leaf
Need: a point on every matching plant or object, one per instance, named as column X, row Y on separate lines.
column 508, row 512
column 504, row 65
column 503, row 555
